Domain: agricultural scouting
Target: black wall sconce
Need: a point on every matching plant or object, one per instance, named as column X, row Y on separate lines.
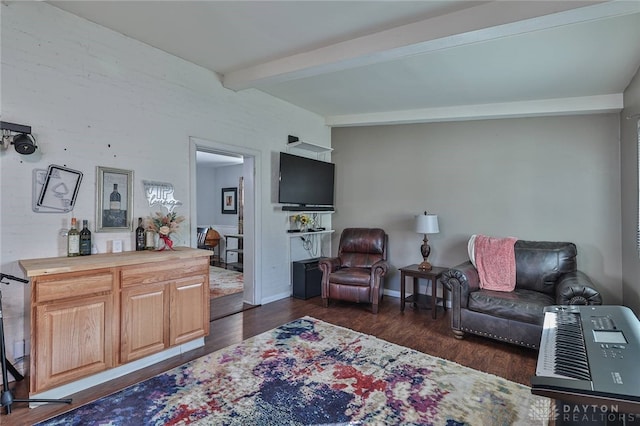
column 19, row 136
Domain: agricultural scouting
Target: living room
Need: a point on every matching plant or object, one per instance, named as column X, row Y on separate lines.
column 95, row 97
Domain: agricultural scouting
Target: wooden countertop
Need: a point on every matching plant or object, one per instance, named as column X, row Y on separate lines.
column 57, row 265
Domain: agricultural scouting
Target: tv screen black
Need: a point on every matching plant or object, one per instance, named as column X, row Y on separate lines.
column 305, row 181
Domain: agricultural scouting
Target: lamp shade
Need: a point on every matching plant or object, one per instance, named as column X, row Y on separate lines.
column 427, row 224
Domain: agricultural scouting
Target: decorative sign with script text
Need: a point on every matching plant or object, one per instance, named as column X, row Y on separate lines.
column 160, row 193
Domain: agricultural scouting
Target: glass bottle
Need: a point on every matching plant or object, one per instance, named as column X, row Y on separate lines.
column 73, row 239
column 85, row 239
column 63, row 240
column 114, row 199
column 140, row 236
column 149, row 238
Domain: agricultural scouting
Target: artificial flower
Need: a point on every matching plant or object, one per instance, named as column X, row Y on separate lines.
column 165, row 225
column 302, row 219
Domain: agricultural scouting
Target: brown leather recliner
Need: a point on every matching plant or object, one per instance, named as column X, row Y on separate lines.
column 356, row 274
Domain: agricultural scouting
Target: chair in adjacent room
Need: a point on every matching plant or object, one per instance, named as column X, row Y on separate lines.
column 209, row 239
column 202, row 234
column 357, row 273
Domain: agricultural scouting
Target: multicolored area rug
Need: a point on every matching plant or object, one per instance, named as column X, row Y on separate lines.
column 309, row 372
column 223, row 282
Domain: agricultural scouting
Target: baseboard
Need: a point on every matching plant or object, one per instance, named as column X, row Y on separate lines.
column 79, row 385
column 392, row 293
column 396, row 293
column 273, row 298
column 386, row 292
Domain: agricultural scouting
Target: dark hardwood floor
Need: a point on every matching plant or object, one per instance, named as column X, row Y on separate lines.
column 414, row 329
column 228, row 305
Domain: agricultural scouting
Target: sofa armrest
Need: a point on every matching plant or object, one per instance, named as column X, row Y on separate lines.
column 378, row 271
column 576, row 288
column 327, row 266
column 460, row 280
column 330, row 264
column 379, row 268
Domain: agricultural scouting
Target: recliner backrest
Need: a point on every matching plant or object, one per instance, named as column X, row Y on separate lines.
column 539, row 264
column 362, row 247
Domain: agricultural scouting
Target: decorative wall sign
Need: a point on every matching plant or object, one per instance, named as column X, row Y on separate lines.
column 55, row 189
column 160, row 194
column 114, row 200
column 229, row 200
column 38, row 179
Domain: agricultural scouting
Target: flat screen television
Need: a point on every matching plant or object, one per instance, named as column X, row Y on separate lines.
column 305, row 182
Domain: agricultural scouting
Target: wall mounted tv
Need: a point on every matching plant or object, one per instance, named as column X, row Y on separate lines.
column 306, row 183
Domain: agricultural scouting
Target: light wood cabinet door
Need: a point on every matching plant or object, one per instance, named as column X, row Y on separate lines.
column 74, row 340
column 145, row 321
column 189, row 317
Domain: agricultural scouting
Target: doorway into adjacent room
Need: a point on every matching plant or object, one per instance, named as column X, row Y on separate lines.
column 223, row 213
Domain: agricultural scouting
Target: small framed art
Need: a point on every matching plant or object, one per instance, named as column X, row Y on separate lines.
column 229, row 200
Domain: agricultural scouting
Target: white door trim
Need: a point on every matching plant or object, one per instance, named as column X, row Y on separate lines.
column 252, row 212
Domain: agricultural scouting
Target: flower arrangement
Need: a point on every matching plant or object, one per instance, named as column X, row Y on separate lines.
column 302, row 220
column 165, row 225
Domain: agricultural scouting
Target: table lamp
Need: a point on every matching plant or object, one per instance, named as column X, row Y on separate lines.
column 426, row 224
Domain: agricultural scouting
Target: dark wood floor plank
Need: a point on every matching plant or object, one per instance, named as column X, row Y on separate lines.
column 227, row 305
column 413, row 328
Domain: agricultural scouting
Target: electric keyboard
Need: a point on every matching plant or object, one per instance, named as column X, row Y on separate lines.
column 589, row 354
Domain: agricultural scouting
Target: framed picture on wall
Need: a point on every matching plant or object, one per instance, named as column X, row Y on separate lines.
column 229, row 200
column 114, row 200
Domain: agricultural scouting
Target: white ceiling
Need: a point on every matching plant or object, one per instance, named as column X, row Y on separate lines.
column 214, row 160
column 380, row 62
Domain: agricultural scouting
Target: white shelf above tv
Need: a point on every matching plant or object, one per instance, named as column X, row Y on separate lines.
column 306, row 210
column 308, row 146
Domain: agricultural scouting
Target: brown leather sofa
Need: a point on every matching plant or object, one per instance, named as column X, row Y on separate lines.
column 356, row 274
column 546, row 274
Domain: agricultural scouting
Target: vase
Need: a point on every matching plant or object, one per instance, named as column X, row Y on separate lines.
column 164, row 242
column 160, row 245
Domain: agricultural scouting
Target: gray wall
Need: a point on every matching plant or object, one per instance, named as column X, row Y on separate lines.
column 210, row 182
column 549, row 178
column 629, row 166
column 205, row 190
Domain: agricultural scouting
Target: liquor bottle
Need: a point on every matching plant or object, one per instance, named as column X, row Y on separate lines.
column 114, row 199
column 73, row 239
column 85, row 239
column 140, row 236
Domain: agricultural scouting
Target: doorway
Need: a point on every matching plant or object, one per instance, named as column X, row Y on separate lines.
column 224, row 198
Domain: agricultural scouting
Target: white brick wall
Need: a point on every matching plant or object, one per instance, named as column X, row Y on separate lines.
column 97, row 98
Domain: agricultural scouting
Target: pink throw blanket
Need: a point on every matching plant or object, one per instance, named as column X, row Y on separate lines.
column 496, row 262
